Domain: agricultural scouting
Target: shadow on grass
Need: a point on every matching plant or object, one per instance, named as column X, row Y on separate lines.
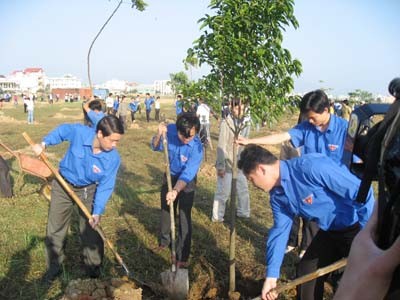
column 20, row 263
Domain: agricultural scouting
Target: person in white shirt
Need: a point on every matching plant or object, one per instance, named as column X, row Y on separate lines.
column 203, row 113
column 30, row 105
column 109, row 104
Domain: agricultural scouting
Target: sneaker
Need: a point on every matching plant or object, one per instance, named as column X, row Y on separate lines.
column 301, row 254
column 289, row 249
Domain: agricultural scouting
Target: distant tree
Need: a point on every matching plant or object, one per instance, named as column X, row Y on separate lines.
column 242, row 44
column 140, row 5
column 190, row 62
column 360, row 95
column 179, row 82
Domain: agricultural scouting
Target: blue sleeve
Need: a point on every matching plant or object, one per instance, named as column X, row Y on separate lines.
column 60, row 134
column 160, row 146
column 105, row 188
column 193, row 164
column 338, row 180
column 277, row 239
column 297, row 134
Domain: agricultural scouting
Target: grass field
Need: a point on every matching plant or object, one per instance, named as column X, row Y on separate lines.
column 131, row 219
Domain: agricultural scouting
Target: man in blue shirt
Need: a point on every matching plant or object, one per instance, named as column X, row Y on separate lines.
column 185, row 156
column 316, row 188
column 319, row 132
column 93, row 112
column 148, row 102
column 90, row 167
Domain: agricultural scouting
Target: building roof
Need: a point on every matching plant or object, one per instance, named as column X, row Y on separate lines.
column 33, row 70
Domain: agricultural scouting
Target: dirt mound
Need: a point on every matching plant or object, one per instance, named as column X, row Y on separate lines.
column 69, row 109
column 95, row 289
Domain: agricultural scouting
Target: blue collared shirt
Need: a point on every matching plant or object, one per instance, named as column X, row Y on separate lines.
column 95, row 117
column 330, row 142
column 316, row 188
column 148, row 102
column 184, row 159
column 81, row 167
column 133, row 106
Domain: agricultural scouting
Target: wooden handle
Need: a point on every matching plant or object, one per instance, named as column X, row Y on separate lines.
column 78, row 201
column 303, row 279
column 171, row 206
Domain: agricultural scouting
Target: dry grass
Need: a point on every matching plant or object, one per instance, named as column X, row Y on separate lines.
column 131, row 219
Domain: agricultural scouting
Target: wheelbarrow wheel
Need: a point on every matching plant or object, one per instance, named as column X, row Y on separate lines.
column 45, row 191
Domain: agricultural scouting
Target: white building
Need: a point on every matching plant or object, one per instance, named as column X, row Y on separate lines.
column 30, row 80
column 114, row 85
column 162, row 87
column 66, row 82
column 8, row 85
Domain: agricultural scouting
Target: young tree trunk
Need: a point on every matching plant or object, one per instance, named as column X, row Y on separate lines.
column 232, row 237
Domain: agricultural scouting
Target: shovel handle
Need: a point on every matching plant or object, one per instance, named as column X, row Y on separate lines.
column 78, row 201
column 171, row 206
column 303, row 279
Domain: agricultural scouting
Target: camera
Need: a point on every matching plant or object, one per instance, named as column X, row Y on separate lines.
column 372, row 152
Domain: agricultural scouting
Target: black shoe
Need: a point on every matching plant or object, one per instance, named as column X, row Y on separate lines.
column 50, row 275
column 93, row 271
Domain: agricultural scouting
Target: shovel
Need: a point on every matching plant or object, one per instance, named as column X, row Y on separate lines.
column 305, row 278
column 176, row 280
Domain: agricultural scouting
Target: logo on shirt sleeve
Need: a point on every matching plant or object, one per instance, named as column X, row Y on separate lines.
column 183, row 158
column 308, row 199
column 96, row 169
column 333, row 147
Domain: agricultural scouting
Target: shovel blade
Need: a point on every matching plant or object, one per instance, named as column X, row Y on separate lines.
column 176, row 283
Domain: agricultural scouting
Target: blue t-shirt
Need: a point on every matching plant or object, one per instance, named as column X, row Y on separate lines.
column 184, row 159
column 316, row 188
column 312, row 140
column 81, row 166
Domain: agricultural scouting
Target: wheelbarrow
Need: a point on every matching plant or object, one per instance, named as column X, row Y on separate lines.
column 33, row 166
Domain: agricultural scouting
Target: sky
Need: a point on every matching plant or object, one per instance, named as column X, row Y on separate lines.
column 343, row 45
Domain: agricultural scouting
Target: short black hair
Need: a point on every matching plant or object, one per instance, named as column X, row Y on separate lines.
column 315, row 101
column 95, row 105
column 254, row 155
column 110, row 124
column 185, row 122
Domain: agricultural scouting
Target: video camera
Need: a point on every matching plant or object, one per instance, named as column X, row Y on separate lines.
column 373, row 136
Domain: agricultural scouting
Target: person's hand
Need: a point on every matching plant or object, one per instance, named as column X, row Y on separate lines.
column 162, row 129
column 242, row 141
column 267, row 292
column 171, row 196
column 94, row 221
column 221, row 173
column 38, row 148
column 369, row 269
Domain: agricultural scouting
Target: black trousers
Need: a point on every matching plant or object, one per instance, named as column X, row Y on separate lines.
column 184, row 202
column 157, row 114
column 148, row 115
column 133, row 115
column 309, row 230
column 326, row 248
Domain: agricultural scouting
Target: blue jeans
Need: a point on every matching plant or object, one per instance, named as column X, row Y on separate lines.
column 30, row 116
